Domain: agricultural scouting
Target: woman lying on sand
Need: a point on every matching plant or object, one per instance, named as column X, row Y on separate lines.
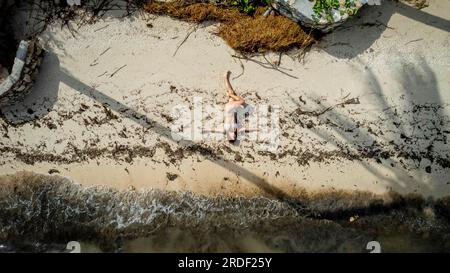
column 231, row 127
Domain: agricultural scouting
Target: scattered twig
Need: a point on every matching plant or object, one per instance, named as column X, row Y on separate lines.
column 117, row 70
column 346, row 96
column 275, row 66
column 50, row 11
column 101, row 74
column 185, row 39
column 413, row 41
column 101, row 28
column 268, row 66
column 104, row 51
column 301, row 100
column 340, row 44
column 95, row 62
column 279, row 59
column 242, row 72
column 299, row 111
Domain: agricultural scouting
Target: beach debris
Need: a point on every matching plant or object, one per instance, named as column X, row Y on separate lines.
column 267, row 64
column 52, row 171
column 102, row 74
column 242, row 72
column 300, row 111
column 23, row 73
column 171, row 176
column 117, row 70
column 95, row 62
column 194, row 29
column 413, row 41
column 73, row 14
column 323, row 15
column 98, row 29
column 241, row 31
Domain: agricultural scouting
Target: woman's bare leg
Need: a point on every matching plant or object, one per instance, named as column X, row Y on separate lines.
column 228, row 84
column 230, row 91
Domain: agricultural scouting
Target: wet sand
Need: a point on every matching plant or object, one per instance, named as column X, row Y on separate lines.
column 365, row 110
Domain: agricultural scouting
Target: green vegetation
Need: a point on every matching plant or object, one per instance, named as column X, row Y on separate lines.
column 249, row 6
column 324, row 7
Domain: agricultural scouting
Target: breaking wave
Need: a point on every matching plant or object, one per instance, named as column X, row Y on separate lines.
column 43, row 213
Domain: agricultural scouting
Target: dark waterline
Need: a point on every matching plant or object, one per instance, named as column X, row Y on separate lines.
column 43, row 213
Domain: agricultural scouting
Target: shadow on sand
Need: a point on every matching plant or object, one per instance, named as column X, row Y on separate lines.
column 412, row 133
column 357, row 35
column 52, row 75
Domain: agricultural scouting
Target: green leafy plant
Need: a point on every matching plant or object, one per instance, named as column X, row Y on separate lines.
column 324, row 7
column 249, row 6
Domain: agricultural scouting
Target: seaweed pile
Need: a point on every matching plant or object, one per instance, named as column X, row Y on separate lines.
column 241, row 31
column 44, row 211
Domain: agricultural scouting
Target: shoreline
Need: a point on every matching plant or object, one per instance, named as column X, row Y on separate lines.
column 190, row 176
column 42, row 213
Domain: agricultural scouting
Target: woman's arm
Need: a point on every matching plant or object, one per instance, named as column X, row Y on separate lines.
column 245, row 130
column 217, row 130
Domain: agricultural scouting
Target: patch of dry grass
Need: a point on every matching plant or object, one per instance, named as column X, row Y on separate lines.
column 242, row 32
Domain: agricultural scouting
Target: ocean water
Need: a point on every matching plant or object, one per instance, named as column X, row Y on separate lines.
column 40, row 213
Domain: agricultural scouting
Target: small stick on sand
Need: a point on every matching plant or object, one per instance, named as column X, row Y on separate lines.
column 104, row 51
column 299, row 111
column 265, row 65
column 279, row 59
column 95, row 62
column 184, row 40
column 413, row 41
column 242, row 72
column 101, row 28
column 101, row 74
column 117, row 70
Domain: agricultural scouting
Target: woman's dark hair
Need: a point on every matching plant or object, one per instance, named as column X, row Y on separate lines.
column 232, row 141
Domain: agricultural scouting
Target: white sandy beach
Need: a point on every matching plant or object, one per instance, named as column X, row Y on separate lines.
column 100, row 110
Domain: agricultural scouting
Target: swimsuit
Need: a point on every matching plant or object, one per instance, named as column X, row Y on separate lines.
column 231, row 113
column 230, row 126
